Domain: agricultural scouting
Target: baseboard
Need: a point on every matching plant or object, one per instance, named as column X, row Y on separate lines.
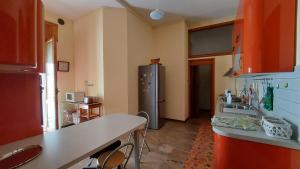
column 183, row 121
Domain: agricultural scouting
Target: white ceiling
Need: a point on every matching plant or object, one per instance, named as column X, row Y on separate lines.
column 73, row 9
column 191, row 10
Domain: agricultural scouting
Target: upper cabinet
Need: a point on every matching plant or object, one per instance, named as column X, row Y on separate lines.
column 21, row 35
column 264, row 36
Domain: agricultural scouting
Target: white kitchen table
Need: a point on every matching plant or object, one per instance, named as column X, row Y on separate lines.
column 65, row 147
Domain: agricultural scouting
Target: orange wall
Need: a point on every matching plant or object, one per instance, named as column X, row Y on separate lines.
column 20, row 107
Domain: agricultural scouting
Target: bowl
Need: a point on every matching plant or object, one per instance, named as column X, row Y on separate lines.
column 155, row 61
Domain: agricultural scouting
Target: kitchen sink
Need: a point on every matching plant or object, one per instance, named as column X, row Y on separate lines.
column 234, row 99
column 238, row 109
column 238, row 106
column 243, row 123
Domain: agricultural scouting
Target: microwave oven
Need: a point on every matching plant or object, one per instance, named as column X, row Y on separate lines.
column 74, row 96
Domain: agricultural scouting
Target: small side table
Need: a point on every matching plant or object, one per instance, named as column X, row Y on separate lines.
column 86, row 110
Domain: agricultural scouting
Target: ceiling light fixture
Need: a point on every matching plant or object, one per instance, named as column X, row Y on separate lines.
column 157, row 14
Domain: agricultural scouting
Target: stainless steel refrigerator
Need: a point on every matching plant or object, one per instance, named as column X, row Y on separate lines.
column 152, row 93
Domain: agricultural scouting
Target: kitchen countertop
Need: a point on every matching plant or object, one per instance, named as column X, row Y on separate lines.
column 255, row 136
column 65, row 147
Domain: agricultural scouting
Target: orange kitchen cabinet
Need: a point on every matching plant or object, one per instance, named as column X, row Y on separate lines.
column 40, row 38
column 230, row 153
column 21, row 108
column 267, row 30
column 21, row 35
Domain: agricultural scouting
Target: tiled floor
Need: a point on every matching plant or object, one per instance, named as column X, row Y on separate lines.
column 201, row 155
column 170, row 146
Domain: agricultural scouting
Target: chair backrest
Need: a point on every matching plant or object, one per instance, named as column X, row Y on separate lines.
column 144, row 114
column 127, row 155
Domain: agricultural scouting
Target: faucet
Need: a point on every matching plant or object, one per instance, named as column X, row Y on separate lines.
column 243, row 91
column 242, row 94
column 252, row 96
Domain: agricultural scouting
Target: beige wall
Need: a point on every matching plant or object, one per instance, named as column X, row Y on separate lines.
column 88, row 60
column 120, row 43
column 170, row 44
column 115, row 60
column 65, row 52
column 210, row 22
column 110, row 43
column 115, row 42
column 140, row 50
column 222, row 65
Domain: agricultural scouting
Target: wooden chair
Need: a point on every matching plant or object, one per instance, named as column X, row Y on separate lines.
column 117, row 158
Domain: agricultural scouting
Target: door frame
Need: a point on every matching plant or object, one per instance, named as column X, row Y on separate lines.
column 51, row 32
column 198, row 62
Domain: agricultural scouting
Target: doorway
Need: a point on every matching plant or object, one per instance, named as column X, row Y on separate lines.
column 201, row 74
column 49, row 79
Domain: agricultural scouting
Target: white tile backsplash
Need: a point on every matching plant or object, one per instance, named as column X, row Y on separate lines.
column 286, row 99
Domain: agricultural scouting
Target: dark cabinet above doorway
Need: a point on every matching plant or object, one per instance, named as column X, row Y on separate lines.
column 212, row 40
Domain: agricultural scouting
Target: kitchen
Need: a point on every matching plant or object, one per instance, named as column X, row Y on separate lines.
column 263, row 80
